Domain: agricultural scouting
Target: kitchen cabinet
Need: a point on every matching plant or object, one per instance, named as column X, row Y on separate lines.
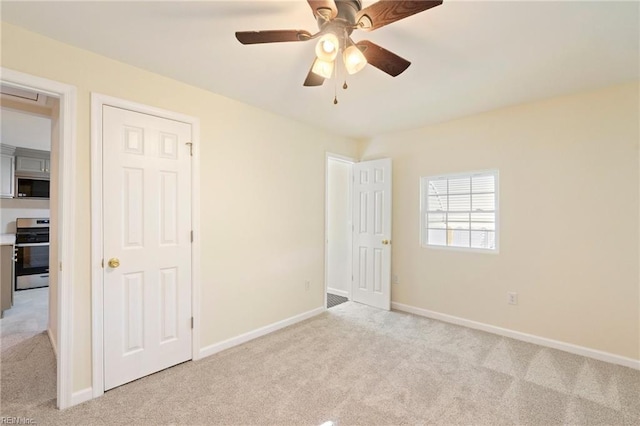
column 7, row 174
column 32, row 165
column 6, row 277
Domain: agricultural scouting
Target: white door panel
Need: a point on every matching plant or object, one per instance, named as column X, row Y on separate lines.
column 147, row 227
column 372, row 233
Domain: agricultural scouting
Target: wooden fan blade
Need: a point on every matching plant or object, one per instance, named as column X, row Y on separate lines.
column 313, row 79
column 272, row 36
column 325, row 8
column 386, row 12
column 382, row 59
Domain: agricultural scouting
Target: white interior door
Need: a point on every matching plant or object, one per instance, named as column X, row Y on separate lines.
column 372, row 233
column 147, row 230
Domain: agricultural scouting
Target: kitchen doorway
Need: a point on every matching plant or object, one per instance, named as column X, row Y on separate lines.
column 62, row 232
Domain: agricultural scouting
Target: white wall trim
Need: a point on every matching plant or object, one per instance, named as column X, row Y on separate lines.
column 196, row 245
column 337, row 292
column 97, row 284
column 54, row 344
column 340, row 157
column 97, row 301
column 525, row 337
column 81, row 396
column 66, row 226
column 243, row 338
column 348, row 160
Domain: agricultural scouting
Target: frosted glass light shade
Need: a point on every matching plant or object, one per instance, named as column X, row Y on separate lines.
column 327, row 47
column 322, row 68
column 354, row 60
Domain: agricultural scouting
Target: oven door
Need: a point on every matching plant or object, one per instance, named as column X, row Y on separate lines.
column 32, row 265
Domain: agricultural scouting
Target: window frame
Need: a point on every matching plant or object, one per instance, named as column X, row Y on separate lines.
column 424, row 186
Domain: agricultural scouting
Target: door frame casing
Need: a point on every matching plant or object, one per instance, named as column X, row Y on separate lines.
column 66, row 214
column 97, row 278
column 352, row 161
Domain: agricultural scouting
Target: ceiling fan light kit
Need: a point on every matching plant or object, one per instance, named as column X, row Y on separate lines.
column 337, row 19
column 327, row 47
column 353, row 59
column 322, row 68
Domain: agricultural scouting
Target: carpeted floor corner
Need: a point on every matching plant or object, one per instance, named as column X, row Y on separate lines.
column 353, row 365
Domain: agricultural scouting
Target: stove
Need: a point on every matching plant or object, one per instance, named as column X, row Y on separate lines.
column 32, row 253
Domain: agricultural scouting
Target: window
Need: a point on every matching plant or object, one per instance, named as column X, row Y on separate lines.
column 460, row 210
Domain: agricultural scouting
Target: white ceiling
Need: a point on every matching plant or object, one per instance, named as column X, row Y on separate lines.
column 467, row 57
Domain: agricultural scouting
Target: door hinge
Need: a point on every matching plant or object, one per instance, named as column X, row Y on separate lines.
column 192, row 323
column 190, row 147
column 101, row 264
column 191, row 236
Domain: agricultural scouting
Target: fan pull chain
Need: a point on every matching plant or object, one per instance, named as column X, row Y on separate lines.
column 346, row 38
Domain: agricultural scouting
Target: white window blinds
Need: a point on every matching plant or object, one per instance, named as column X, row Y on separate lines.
column 460, row 210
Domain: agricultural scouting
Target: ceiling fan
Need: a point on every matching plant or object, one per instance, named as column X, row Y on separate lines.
column 336, row 21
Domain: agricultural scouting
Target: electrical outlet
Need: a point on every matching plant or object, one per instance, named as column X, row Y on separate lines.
column 395, row 279
column 512, row 298
column 307, row 284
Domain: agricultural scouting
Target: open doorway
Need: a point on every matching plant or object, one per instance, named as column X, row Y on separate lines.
column 44, row 176
column 28, row 329
column 358, row 231
column 338, row 229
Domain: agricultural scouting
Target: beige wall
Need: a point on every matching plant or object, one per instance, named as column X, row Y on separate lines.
column 262, row 193
column 569, row 219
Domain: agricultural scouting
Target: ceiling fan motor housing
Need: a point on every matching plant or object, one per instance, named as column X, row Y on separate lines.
column 344, row 21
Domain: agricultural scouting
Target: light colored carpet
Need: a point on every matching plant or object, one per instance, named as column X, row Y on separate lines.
column 27, row 361
column 356, row 365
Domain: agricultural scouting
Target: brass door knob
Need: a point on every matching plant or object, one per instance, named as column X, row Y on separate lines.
column 385, row 242
column 114, row 262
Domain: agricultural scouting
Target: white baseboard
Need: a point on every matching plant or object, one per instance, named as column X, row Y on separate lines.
column 530, row 338
column 337, row 292
column 81, row 396
column 238, row 340
column 53, row 342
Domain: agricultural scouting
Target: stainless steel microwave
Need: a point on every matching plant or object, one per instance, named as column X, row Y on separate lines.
column 27, row 187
